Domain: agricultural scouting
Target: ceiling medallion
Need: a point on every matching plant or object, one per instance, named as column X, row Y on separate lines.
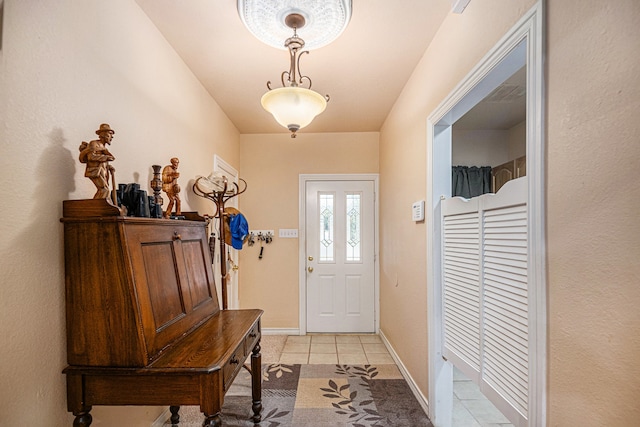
column 325, row 20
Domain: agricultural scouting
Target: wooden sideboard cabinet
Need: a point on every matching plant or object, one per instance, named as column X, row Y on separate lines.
column 144, row 326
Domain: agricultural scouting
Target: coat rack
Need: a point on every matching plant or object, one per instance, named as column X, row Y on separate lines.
column 219, row 191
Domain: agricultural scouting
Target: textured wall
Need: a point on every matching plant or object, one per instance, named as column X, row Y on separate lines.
column 593, row 229
column 65, row 67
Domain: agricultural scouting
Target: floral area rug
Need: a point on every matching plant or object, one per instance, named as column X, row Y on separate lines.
column 320, row 395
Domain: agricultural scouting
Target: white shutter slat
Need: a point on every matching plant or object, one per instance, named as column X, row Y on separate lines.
column 507, row 244
column 503, row 383
column 505, row 357
column 506, row 262
column 461, row 272
column 497, row 347
column 511, row 374
column 511, row 277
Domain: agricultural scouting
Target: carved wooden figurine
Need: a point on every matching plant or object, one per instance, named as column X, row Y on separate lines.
column 170, row 186
column 97, row 157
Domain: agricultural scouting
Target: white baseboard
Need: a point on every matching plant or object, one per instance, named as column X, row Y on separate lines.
column 280, row 331
column 422, row 400
column 164, row 416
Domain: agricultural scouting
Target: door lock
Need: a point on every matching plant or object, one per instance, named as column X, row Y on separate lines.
column 310, row 258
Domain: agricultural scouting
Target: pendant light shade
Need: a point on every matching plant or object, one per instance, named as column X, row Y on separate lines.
column 293, row 107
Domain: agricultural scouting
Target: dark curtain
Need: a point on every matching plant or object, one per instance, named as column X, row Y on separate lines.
column 470, row 181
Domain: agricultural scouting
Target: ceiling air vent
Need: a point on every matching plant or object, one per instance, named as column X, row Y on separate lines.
column 506, row 93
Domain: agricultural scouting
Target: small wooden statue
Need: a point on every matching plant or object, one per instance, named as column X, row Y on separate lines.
column 97, row 157
column 170, row 186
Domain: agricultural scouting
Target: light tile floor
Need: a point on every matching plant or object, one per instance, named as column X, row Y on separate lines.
column 470, row 407
column 342, row 349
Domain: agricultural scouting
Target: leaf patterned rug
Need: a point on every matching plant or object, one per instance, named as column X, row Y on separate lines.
column 320, row 395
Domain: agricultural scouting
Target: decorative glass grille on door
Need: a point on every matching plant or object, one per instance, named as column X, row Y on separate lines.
column 326, row 227
column 353, row 227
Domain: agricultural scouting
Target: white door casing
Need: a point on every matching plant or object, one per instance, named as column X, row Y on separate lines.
column 338, row 247
column 220, row 166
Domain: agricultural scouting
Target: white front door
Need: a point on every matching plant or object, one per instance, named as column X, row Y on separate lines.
column 340, row 251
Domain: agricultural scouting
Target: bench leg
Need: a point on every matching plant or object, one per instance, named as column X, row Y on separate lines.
column 175, row 417
column 256, row 383
column 212, row 420
column 83, row 418
column 211, row 398
column 75, row 401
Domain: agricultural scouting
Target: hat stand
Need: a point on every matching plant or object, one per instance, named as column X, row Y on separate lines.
column 219, row 198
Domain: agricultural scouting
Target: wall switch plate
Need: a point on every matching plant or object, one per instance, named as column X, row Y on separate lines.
column 288, row 233
column 417, row 211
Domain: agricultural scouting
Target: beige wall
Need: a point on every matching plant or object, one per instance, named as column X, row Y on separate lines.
column 458, row 46
column 593, row 98
column 65, row 67
column 271, row 165
column 479, row 147
column 593, row 226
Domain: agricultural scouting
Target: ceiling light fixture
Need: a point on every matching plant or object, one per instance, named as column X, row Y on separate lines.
column 293, row 106
column 325, row 20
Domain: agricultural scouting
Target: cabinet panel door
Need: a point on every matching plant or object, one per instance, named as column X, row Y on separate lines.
column 173, row 283
column 502, row 174
column 163, row 283
column 198, row 274
column 102, row 318
column 521, row 166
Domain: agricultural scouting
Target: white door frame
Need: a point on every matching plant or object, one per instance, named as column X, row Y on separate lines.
column 220, row 165
column 500, row 62
column 302, row 276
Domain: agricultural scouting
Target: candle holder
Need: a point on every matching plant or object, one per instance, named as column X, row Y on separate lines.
column 156, row 186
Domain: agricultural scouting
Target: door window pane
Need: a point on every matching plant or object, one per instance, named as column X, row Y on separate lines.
column 326, row 227
column 353, row 228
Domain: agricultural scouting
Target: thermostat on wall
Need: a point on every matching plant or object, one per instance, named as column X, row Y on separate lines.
column 417, row 211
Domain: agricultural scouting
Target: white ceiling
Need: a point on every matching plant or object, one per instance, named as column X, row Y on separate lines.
column 502, row 109
column 363, row 71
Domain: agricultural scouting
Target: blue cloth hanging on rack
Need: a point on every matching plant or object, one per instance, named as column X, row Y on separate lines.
column 239, row 228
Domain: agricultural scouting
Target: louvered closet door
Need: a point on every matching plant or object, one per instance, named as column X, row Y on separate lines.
column 462, row 285
column 486, row 322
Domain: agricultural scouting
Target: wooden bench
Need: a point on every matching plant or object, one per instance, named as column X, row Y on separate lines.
column 144, row 326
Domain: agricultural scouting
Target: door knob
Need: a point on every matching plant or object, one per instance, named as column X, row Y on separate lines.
column 310, row 269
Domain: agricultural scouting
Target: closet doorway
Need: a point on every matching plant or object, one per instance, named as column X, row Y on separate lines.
column 521, row 47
